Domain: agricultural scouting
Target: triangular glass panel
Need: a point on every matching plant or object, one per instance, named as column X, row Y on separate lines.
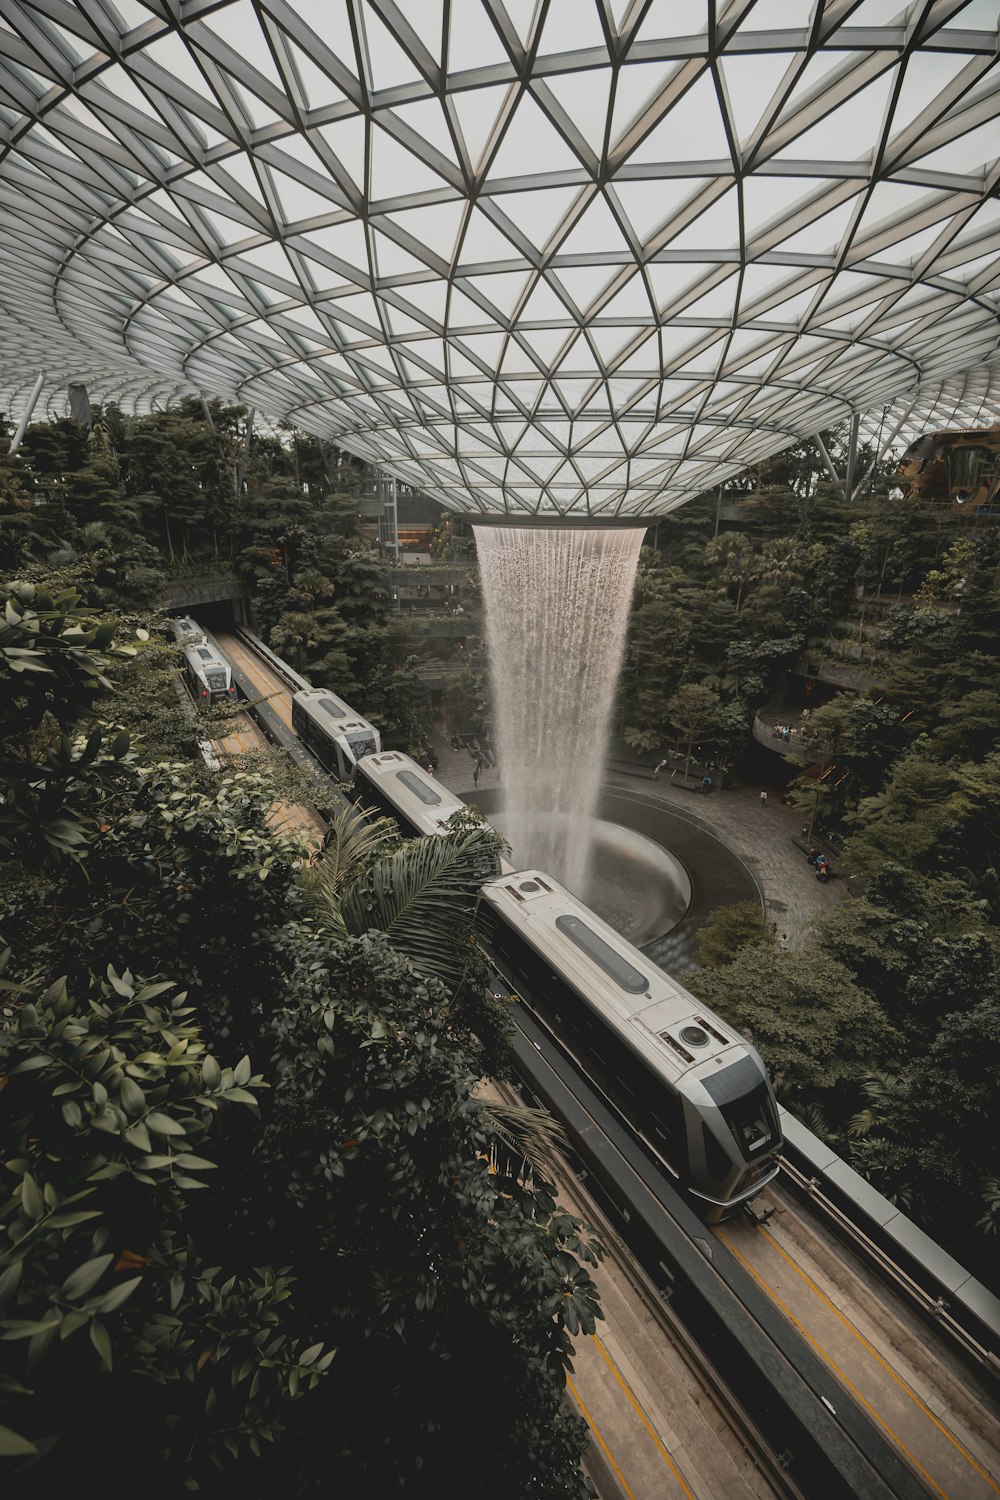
column 570, row 24
column 502, row 290
column 530, row 143
column 543, row 305
column 392, row 259
column 400, row 322
column 390, row 65
column 848, row 132
column 695, row 117
column 927, row 75
column 824, row 234
column 751, row 82
column 611, row 341
column 396, row 172
column 649, row 206
column 319, row 90
column 434, row 227
column 484, row 243
column 718, row 226
column 595, row 231
column 473, row 41
column 484, row 347
column 718, row 302
column 429, row 121
column 332, row 24
column 630, row 301
column 966, row 154
column 239, row 28
column 346, row 241
column 584, row 97
column 665, row 19
column 478, row 111
column 585, row 283
column 779, row 15
column 539, row 212
column 639, row 83
column 298, row 201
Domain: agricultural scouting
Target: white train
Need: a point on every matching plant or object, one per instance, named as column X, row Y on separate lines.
column 187, row 632
column 337, row 735
column 391, row 783
column 209, row 673
column 696, row 1091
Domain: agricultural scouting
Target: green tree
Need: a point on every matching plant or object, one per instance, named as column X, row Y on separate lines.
column 106, row 1301
column 693, row 710
column 728, row 931
column 818, row 1032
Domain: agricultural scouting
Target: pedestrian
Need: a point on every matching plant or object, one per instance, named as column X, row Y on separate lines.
column 658, row 768
column 783, row 940
column 475, row 772
column 774, row 931
column 763, row 798
column 706, row 783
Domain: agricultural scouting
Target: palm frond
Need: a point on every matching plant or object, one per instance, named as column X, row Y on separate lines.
column 351, row 845
column 530, row 1135
column 423, row 897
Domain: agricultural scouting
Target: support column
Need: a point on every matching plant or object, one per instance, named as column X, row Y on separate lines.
column 852, row 458
column 26, row 415
column 828, row 461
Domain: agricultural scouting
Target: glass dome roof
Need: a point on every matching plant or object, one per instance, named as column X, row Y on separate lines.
column 557, row 256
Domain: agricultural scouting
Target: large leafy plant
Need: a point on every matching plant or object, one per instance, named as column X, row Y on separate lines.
column 108, row 1101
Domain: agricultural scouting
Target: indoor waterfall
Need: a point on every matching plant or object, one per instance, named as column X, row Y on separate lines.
column 556, row 602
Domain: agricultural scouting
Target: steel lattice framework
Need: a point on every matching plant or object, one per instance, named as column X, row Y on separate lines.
column 556, row 256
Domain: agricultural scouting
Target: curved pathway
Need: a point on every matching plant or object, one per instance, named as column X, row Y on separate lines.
column 763, row 837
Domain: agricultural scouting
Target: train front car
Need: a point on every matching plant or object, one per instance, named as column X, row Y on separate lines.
column 187, row 632
column 695, row 1090
column 210, row 674
column 336, row 733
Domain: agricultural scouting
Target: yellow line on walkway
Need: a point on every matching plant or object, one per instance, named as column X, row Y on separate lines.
column 245, row 662
column 834, row 1367
column 595, row 1432
column 918, row 1402
column 616, row 1372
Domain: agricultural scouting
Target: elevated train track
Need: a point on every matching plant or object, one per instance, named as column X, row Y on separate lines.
column 830, row 1437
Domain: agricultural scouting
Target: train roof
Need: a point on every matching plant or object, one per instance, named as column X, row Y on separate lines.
column 185, row 629
column 204, row 653
column 414, row 790
column 332, row 713
column 661, row 1019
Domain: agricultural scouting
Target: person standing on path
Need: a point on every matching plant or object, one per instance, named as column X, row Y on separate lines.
column 783, row 941
column 763, row 798
column 657, row 769
column 476, row 770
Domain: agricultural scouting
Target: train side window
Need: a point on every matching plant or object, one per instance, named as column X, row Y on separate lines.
column 718, row 1163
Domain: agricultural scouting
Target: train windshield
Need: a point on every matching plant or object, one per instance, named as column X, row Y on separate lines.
column 361, row 744
column 752, row 1121
column 603, row 955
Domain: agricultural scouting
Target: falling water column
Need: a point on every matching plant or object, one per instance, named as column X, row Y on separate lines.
column 557, row 603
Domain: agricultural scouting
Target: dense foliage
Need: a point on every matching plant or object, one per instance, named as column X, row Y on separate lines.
column 869, row 1027
column 367, row 1248
column 321, row 1031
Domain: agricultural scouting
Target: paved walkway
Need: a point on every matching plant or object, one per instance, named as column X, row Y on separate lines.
column 761, row 836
